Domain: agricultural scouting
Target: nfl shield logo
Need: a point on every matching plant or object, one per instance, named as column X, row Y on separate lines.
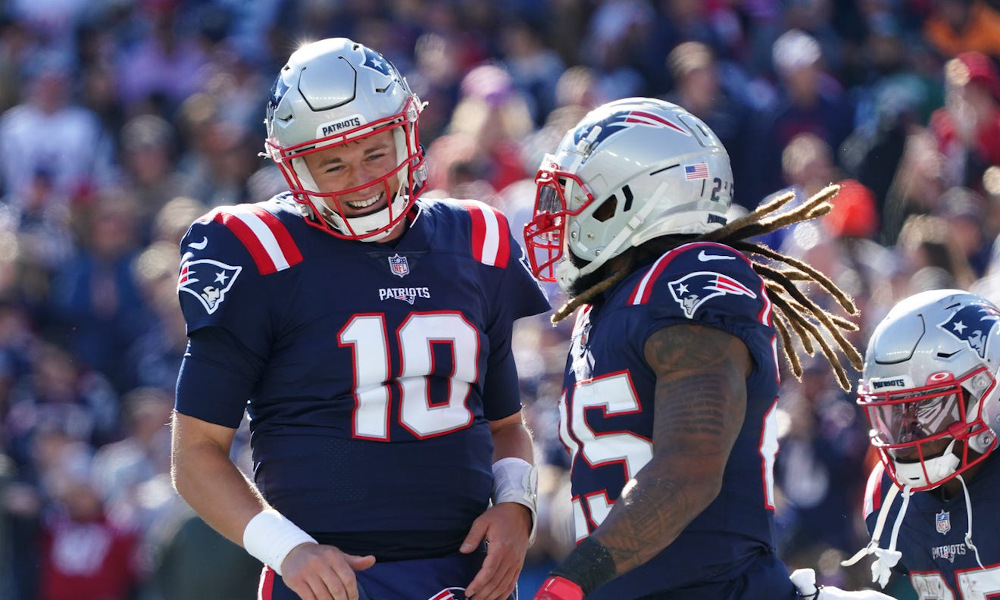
column 942, row 521
column 399, row 265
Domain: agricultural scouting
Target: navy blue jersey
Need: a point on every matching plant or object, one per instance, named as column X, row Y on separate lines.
column 608, row 403
column 932, row 536
column 371, row 370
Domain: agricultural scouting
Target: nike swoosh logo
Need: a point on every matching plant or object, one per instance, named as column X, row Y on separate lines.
column 707, row 257
column 199, row 245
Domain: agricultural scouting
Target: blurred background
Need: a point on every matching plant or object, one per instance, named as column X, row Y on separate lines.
column 124, row 120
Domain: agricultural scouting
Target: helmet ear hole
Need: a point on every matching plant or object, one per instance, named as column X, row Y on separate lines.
column 606, row 210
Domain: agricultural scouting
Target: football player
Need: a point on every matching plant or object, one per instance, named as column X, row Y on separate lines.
column 367, row 333
column 929, row 388
column 668, row 405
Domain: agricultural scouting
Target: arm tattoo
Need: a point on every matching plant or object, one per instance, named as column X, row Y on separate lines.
column 699, row 409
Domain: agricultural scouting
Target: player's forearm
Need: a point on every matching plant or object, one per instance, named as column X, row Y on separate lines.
column 511, row 439
column 652, row 511
column 207, row 479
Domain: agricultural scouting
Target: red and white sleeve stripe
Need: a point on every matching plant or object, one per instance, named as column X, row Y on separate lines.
column 264, row 236
column 490, row 234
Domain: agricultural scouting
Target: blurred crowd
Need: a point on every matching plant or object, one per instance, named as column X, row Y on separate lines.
column 124, row 120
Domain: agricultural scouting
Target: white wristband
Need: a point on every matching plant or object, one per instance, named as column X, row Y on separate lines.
column 516, row 480
column 269, row 537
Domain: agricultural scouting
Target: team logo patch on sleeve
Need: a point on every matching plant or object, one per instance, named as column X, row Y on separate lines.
column 695, row 289
column 208, row 281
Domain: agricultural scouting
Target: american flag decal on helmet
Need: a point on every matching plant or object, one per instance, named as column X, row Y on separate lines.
column 696, row 171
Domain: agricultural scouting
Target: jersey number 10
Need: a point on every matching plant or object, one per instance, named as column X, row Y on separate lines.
column 424, row 418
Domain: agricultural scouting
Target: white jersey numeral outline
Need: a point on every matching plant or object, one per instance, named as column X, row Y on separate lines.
column 973, row 584
column 616, row 395
column 366, row 334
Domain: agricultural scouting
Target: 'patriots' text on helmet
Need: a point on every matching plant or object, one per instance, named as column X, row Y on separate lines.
column 330, row 93
column 929, row 386
column 630, row 171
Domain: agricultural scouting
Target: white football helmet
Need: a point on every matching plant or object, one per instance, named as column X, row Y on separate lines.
column 332, row 92
column 929, row 386
column 630, row 171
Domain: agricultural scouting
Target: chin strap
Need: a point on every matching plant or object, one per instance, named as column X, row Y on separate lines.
column 886, row 558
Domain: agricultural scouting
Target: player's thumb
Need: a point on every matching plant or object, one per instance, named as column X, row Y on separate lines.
column 475, row 536
column 360, row 563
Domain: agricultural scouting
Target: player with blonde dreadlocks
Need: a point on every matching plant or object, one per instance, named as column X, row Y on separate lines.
column 668, row 404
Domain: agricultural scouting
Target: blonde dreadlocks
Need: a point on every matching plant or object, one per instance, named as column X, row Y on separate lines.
column 795, row 312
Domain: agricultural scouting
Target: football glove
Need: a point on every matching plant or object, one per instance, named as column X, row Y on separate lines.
column 805, row 582
column 559, row 588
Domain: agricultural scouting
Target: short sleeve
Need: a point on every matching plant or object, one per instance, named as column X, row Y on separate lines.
column 705, row 284
column 219, row 285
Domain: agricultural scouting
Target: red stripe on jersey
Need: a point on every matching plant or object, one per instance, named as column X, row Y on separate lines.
column 650, row 278
column 249, row 240
column 478, row 231
column 503, row 250
column 481, row 238
column 265, row 590
column 285, row 241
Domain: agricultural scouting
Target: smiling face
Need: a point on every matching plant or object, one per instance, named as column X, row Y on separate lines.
column 357, row 168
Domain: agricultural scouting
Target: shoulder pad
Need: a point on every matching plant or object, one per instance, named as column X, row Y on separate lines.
column 490, row 233
column 262, row 233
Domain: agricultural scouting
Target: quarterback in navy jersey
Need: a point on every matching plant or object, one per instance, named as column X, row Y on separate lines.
column 930, row 389
column 672, row 375
column 367, row 335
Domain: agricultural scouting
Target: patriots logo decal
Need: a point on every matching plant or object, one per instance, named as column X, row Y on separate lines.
column 374, row 61
column 278, row 91
column 452, row 593
column 621, row 120
column 208, row 281
column 973, row 325
column 695, row 289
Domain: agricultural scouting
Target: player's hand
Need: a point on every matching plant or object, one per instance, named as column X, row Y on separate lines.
column 505, row 527
column 559, row 588
column 805, row 582
column 318, row 572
